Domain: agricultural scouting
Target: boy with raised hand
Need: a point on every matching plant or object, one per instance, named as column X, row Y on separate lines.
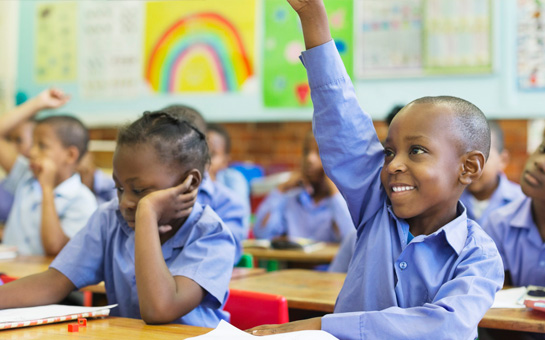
column 421, row 269
column 51, row 204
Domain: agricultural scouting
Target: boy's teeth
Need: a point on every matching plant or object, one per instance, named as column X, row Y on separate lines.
column 399, row 189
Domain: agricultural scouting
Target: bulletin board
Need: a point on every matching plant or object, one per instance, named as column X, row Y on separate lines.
column 118, row 59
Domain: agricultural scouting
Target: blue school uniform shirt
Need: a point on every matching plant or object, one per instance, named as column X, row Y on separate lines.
column 344, row 255
column 436, row 287
column 103, row 187
column 237, row 183
column 505, row 193
column 74, row 203
column 6, row 201
column 229, row 208
column 519, row 242
column 202, row 250
column 295, row 214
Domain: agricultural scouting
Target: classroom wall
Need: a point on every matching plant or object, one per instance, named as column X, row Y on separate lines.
column 278, row 146
column 496, row 93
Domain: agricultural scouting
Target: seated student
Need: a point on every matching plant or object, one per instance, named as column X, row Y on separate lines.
column 493, row 190
column 21, row 138
column 51, row 204
column 221, row 199
column 421, row 269
column 308, row 205
column 162, row 257
column 219, row 144
column 96, row 180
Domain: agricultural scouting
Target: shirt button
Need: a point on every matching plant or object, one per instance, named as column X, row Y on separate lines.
column 403, row 265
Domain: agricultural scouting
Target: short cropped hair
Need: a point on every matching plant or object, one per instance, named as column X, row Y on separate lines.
column 188, row 113
column 220, row 130
column 70, row 131
column 496, row 130
column 471, row 123
column 176, row 140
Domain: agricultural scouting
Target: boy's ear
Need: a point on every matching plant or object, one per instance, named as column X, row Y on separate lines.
column 196, row 180
column 472, row 167
column 73, row 154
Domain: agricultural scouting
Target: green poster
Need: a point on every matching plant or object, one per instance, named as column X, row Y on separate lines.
column 284, row 76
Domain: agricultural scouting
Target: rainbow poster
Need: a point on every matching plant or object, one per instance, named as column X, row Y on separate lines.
column 284, row 77
column 199, row 46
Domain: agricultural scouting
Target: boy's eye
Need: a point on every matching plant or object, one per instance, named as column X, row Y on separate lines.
column 417, row 150
column 138, row 191
column 388, row 153
column 119, row 189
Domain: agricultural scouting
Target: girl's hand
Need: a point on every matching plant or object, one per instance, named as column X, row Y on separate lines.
column 302, row 325
column 170, row 204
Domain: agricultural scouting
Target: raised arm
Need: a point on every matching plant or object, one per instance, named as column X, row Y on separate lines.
column 48, row 99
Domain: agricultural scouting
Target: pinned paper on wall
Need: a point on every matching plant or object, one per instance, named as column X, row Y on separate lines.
column 199, row 46
column 284, row 77
column 531, row 44
column 422, row 37
column 389, row 37
column 55, row 55
column 110, row 61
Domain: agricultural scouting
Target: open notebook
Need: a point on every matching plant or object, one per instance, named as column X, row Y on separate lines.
column 33, row 316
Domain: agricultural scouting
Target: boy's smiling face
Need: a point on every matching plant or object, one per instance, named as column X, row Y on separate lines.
column 422, row 165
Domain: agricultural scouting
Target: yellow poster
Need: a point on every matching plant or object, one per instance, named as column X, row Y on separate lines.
column 199, row 46
column 56, row 42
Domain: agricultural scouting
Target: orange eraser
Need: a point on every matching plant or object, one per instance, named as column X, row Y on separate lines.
column 82, row 322
column 73, row 327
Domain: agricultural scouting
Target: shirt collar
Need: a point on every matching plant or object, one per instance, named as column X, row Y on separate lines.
column 455, row 232
column 505, row 187
column 523, row 215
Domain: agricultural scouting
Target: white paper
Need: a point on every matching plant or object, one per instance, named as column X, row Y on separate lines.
column 226, row 331
column 509, row 298
column 44, row 312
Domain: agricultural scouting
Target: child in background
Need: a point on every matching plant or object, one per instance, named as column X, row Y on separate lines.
column 21, row 138
column 493, row 190
column 96, row 180
column 421, row 268
column 232, row 210
column 219, row 144
column 308, row 205
column 162, row 257
column 51, row 204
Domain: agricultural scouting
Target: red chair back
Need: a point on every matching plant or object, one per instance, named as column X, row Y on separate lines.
column 250, row 309
column 5, row 279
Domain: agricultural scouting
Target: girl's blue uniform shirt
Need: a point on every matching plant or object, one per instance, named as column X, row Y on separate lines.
column 295, row 214
column 203, row 250
column 436, row 287
column 519, row 242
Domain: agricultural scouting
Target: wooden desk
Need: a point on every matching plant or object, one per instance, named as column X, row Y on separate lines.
column 525, row 320
column 323, row 255
column 106, row 329
column 303, row 288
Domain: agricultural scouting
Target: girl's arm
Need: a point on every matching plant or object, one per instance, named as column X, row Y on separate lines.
column 39, row 289
column 163, row 297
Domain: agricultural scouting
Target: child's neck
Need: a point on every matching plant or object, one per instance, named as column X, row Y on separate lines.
column 424, row 225
column 487, row 191
column 320, row 190
column 538, row 214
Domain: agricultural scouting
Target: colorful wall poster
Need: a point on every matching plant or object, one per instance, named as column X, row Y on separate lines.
column 110, row 58
column 199, row 46
column 55, row 55
column 457, row 36
column 284, row 77
column 389, row 35
column 531, row 44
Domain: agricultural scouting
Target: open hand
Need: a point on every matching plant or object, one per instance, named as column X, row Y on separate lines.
column 301, row 325
column 170, row 204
